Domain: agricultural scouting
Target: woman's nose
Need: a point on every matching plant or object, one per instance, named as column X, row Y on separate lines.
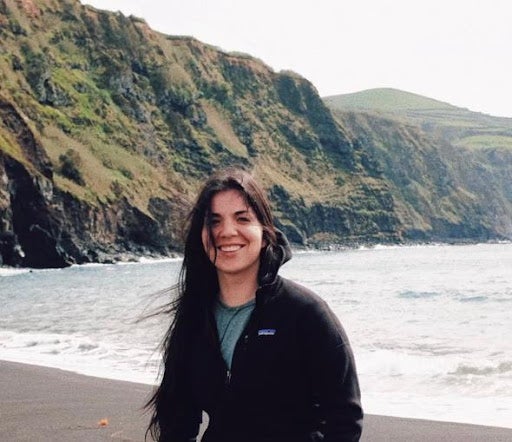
column 227, row 228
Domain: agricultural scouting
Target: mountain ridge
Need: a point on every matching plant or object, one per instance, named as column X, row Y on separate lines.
column 387, row 99
column 446, row 163
column 110, row 127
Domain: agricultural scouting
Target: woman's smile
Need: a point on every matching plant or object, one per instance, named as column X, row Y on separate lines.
column 230, row 248
column 232, row 235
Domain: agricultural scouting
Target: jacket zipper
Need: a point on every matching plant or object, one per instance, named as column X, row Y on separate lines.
column 242, row 341
column 243, row 337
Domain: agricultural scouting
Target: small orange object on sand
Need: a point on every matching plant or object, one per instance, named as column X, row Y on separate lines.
column 103, row 422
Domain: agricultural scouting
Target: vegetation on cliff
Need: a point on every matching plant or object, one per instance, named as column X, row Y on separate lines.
column 449, row 169
column 108, row 127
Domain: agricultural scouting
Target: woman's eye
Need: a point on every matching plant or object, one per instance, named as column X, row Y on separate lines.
column 243, row 219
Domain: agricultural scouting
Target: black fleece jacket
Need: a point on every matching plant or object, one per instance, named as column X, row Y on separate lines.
column 293, row 376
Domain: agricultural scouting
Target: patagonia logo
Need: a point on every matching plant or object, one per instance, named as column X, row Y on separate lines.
column 267, row 332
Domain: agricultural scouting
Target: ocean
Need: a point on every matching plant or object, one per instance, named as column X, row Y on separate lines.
column 430, row 325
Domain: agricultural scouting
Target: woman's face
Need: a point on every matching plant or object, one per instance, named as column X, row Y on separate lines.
column 237, row 235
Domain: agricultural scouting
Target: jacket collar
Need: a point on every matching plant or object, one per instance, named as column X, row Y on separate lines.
column 272, row 258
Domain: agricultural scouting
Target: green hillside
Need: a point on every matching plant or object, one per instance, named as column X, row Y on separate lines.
column 458, row 126
column 386, row 99
column 108, row 127
column 450, row 170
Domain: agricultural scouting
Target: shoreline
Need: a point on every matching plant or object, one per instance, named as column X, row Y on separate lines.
column 127, row 259
column 50, row 404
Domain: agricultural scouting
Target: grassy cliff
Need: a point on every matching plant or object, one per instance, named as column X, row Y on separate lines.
column 108, row 127
column 450, row 169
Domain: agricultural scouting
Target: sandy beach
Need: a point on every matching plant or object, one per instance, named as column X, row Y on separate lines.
column 47, row 404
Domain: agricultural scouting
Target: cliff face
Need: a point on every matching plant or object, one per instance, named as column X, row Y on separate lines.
column 108, row 128
column 45, row 226
column 449, row 169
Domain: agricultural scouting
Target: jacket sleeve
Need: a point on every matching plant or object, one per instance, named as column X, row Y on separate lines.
column 333, row 374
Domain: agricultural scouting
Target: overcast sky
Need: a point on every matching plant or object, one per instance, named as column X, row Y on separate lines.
column 458, row 51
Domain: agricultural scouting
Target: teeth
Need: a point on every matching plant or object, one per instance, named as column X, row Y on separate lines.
column 232, row 248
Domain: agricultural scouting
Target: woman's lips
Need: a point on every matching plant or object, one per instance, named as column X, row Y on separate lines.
column 230, row 248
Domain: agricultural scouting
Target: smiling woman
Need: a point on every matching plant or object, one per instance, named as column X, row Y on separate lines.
column 264, row 357
column 233, row 239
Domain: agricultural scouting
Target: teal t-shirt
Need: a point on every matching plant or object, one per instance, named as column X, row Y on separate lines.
column 231, row 321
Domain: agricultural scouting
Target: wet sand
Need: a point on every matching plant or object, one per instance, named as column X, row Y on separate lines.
column 50, row 405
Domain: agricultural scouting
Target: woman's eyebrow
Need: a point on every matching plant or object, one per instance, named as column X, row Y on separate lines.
column 237, row 213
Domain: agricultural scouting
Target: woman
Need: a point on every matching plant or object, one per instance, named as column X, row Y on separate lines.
column 264, row 357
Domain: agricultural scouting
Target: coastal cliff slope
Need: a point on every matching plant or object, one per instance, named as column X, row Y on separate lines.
column 108, row 127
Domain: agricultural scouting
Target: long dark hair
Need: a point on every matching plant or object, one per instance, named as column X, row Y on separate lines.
column 197, row 288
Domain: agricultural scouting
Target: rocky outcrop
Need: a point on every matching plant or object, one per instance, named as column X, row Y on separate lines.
column 45, row 227
column 442, row 192
column 108, row 127
column 369, row 218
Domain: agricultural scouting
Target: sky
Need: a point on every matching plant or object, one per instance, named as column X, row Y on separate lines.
column 457, row 51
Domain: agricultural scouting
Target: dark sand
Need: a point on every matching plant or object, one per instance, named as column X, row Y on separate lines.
column 46, row 404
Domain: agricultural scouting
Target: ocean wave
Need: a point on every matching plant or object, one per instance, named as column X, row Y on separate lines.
column 138, row 261
column 479, row 298
column 47, row 342
column 503, row 299
column 145, row 260
column 68, row 347
column 410, row 294
column 501, row 368
column 13, row 271
column 400, row 363
column 81, row 354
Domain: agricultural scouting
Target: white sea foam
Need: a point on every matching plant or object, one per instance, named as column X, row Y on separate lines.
column 81, row 354
column 11, row 271
column 160, row 260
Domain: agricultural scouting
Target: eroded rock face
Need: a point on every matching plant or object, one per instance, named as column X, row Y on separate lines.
column 107, row 129
column 29, row 227
column 43, row 227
